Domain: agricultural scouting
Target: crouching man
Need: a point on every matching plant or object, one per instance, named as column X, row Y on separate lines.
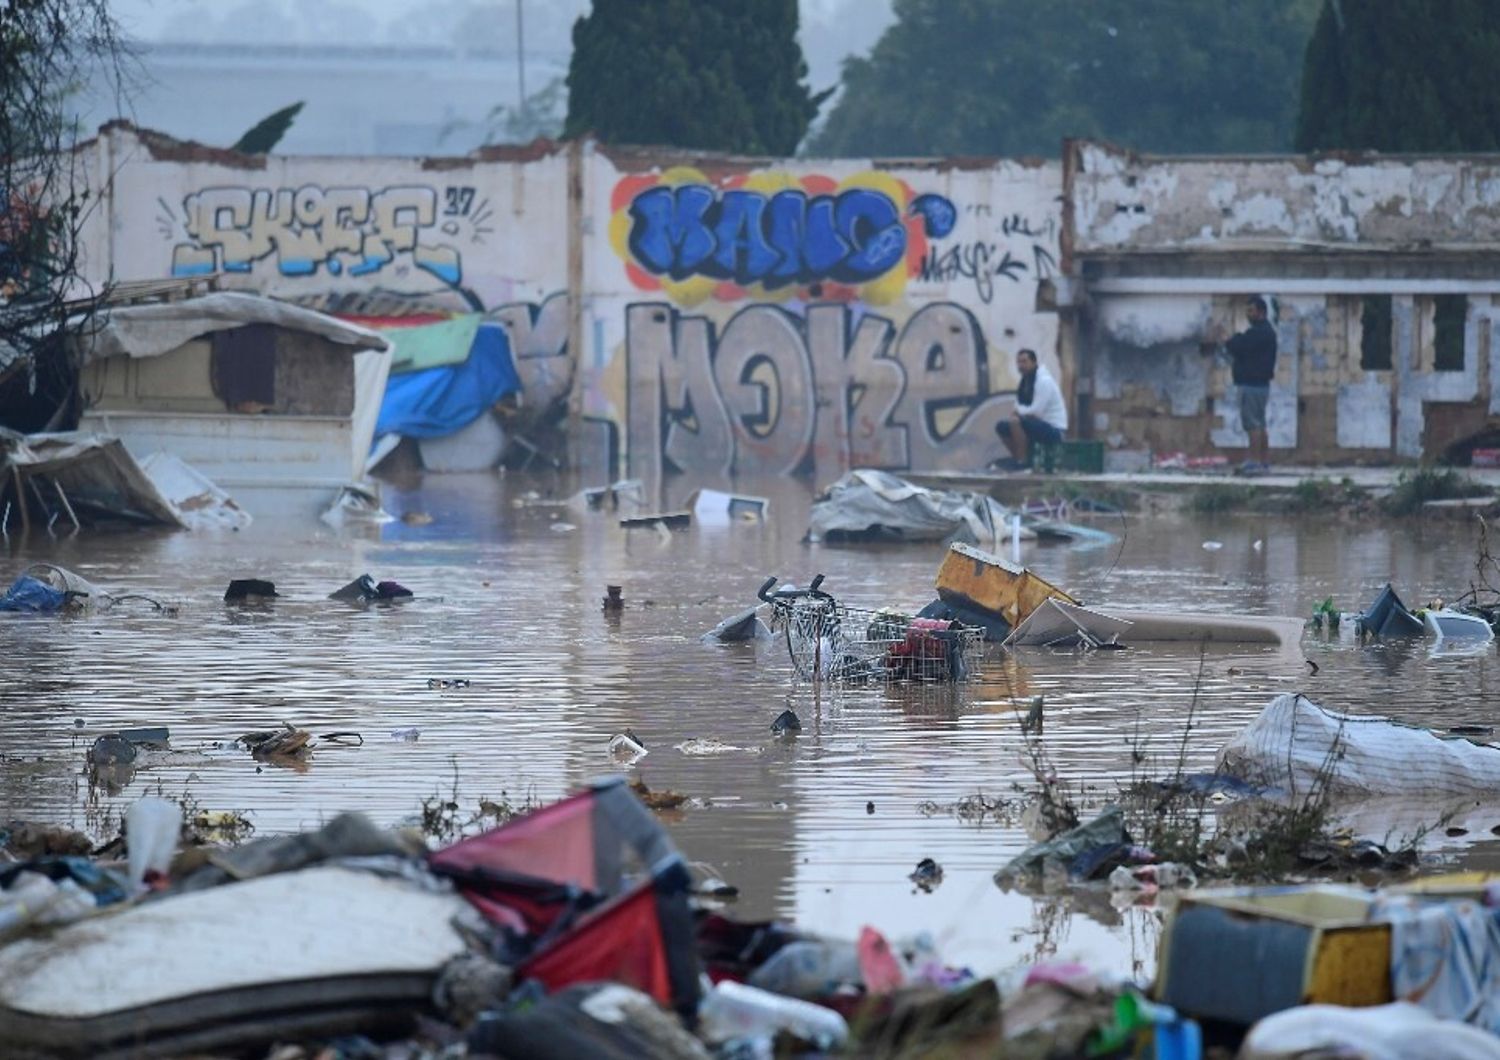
column 1041, row 415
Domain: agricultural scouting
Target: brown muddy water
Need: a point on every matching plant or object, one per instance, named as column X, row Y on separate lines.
column 509, row 598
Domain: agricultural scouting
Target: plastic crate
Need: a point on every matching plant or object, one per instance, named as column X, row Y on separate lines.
column 1083, row 456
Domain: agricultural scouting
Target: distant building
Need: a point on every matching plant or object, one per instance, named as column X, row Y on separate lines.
column 361, row 99
column 1384, row 278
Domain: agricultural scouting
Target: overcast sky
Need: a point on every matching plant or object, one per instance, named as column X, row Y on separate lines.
column 831, row 29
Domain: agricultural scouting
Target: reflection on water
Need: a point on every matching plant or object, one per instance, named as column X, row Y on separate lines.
column 822, row 828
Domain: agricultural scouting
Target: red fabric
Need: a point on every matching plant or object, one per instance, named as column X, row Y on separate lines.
column 621, row 942
column 553, row 843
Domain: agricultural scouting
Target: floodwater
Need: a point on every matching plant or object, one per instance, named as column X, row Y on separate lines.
column 821, row 829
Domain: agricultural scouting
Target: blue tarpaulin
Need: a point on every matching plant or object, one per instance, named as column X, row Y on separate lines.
column 28, row 594
column 438, row 401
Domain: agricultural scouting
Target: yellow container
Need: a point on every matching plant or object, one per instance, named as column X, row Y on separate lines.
column 1241, row 954
column 971, row 577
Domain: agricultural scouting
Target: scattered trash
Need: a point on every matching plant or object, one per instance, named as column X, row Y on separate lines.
column 738, row 628
column 249, row 591
column 416, row 519
column 1291, row 743
column 365, row 589
column 702, row 747
column 406, row 735
column 152, row 827
column 880, row 967
column 626, row 746
column 829, row 640
column 786, row 722
column 927, row 875
column 1311, row 944
column 1445, row 624
column 343, row 738
column 1391, row 1031
column 1065, row 853
column 45, row 589
column 810, row 969
column 1056, row 623
column 613, row 600
column 112, row 750
column 288, row 742
column 737, row 1011
column 868, row 505
column 200, row 503
column 1212, row 546
column 448, row 682
column 970, row 577
column 667, row 520
column 1387, row 616
column 712, row 508
column 562, row 528
column 629, row 492
column 356, row 505
column 1151, row 878
column 662, row 799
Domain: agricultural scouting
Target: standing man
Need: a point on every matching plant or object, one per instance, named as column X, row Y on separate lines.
column 1041, row 415
column 1254, row 354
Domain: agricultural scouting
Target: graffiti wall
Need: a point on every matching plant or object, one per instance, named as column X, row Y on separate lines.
column 811, row 316
column 730, row 317
column 374, row 235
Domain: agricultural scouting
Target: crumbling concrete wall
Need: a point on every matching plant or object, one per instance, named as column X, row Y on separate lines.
column 1127, row 202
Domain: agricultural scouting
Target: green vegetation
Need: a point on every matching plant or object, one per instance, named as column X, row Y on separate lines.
column 265, row 134
column 1325, row 494
column 1012, row 77
column 1402, row 75
column 683, row 73
column 1414, row 489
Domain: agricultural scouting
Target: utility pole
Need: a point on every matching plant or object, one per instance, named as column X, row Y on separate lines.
column 521, row 52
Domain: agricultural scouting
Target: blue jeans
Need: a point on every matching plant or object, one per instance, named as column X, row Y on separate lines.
column 1040, row 432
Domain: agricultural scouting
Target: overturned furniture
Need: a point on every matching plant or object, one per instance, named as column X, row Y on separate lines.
column 75, row 477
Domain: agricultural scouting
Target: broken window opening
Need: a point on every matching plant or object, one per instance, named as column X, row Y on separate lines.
column 1375, row 333
column 1449, row 313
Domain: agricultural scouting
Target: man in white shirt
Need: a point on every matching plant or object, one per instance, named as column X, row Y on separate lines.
column 1041, row 414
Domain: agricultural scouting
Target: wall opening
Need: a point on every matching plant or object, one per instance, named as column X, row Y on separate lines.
column 1448, row 315
column 1375, row 333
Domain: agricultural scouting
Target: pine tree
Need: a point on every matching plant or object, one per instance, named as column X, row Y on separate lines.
column 726, row 76
column 1402, row 75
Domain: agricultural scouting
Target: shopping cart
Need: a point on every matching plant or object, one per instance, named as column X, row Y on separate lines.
column 831, row 641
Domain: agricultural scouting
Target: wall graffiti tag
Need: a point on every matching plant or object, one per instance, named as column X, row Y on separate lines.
column 773, row 391
column 342, row 231
column 774, row 234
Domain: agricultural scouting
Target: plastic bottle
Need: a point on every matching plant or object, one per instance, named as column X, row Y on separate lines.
column 809, row 968
column 152, row 828
column 734, row 1010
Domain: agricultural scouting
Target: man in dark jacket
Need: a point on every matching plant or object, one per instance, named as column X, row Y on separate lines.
column 1254, row 354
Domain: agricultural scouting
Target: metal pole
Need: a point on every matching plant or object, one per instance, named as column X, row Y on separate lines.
column 521, row 53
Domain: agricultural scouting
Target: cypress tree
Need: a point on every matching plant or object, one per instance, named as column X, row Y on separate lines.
column 726, row 76
column 1402, row 75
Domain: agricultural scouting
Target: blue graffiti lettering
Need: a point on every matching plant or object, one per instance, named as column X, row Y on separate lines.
column 937, row 214
column 748, row 237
